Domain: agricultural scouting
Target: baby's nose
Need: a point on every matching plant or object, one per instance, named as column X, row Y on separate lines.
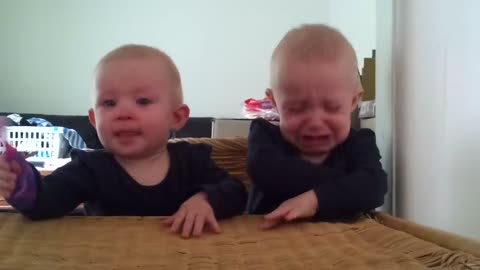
column 125, row 112
column 124, row 116
column 316, row 121
column 316, row 125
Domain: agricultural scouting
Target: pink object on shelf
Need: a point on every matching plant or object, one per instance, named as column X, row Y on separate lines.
column 262, row 108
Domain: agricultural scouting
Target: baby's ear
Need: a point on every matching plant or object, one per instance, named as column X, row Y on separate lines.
column 91, row 117
column 180, row 117
column 269, row 94
column 356, row 99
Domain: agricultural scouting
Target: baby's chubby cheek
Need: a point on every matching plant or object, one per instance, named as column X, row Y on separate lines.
column 290, row 133
column 342, row 132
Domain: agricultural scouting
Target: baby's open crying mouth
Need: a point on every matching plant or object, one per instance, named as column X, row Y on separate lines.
column 316, row 138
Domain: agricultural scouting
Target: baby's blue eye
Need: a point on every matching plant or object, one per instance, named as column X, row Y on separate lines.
column 143, row 101
column 108, row 103
column 296, row 109
column 335, row 108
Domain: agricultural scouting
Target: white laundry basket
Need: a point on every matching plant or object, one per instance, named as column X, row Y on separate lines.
column 46, row 142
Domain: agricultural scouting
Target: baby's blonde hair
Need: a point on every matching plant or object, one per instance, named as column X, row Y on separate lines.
column 311, row 42
column 136, row 51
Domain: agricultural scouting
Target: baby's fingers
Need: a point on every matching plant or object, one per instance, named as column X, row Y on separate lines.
column 276, row 217
column 15, row 167
column 169, row 221
column 212, row 222
column 199, row 224
column 293, row 214
column 279, row 213
column 7, row 176
column 4, row 165
column 270, row 223
column 188, row 224
column 179, row 217
column 6, row 187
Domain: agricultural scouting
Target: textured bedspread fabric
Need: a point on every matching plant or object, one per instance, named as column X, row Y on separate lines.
column 144, row 243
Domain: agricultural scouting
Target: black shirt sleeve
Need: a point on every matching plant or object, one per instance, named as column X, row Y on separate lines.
column 226, row 194
column 362, row 188
column 63, row 190
column 280, row 174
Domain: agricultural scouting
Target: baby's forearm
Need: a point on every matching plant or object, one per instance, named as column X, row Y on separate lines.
column 25, row 191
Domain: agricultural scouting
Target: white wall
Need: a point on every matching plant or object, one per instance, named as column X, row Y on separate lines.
column 437, row 95
column 49, row 48
column 384, row 120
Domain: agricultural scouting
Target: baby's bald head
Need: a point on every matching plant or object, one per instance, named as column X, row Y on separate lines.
column 314, row 42
column 140, row 52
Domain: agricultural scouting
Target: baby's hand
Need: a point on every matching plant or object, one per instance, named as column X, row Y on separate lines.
column 9, row 171
column 193, row 215
column 9, row 168
column 302, row 206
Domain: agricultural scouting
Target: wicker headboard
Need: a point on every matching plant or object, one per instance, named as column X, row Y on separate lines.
column 229, row 154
